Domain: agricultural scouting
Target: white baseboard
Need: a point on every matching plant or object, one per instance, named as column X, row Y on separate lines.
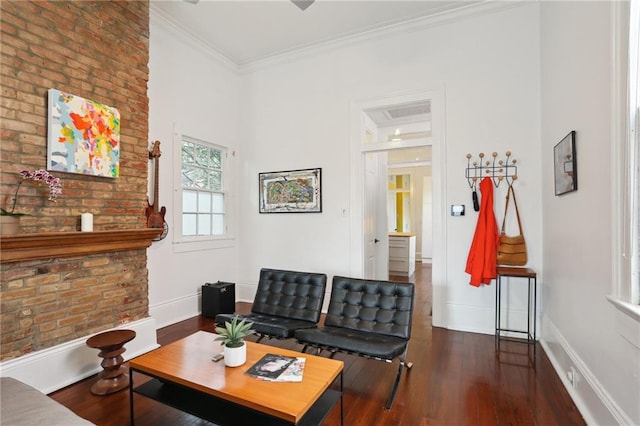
column 478, row 319
column 246, row 292
column 183, row 308
column 594, row 403
column 54, row 368
column 176, row 310
column 472, row 319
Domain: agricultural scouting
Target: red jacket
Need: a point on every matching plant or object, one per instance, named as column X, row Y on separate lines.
column 481, row 262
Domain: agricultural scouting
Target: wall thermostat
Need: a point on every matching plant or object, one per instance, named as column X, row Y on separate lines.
column 457, row 209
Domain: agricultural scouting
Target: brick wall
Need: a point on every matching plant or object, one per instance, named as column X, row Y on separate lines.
column 98, row 50
column 94, row 49
column 52, row 302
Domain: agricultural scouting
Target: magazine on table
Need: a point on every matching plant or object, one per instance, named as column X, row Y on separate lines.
column 270, row 366
column 293, row 373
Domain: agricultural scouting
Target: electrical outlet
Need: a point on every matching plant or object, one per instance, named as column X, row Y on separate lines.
column 572, row 376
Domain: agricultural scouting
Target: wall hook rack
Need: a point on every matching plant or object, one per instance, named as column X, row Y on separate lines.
column 497, row 169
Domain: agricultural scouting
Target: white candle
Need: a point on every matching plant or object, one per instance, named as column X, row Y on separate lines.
column 86, row 222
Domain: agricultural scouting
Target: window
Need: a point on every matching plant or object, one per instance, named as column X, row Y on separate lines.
column 631, row 182
column 203, row 189
column 626, row 292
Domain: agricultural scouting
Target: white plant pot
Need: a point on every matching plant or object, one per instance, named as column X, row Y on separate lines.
column 235, row 357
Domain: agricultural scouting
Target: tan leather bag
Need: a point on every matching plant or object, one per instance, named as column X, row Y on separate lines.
column 512, row 251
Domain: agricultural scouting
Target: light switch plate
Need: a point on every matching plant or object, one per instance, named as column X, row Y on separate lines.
column 457, row 209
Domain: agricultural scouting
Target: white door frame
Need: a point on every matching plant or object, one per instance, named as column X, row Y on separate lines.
column 437, row 142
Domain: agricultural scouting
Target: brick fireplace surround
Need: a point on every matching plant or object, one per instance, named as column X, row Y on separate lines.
column 100, row 51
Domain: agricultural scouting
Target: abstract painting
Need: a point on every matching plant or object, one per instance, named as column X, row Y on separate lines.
column 292, row 191
column 84, row 136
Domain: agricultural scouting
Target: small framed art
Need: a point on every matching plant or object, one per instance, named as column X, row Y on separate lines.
column 565, row 164
column 291, row 191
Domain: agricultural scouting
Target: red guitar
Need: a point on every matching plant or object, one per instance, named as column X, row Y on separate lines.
column 155, row 218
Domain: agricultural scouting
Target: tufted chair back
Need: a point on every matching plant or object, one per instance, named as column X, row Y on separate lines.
column 290, row 294
column 382, row 307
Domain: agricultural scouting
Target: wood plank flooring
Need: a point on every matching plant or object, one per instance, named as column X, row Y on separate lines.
column 457, row 379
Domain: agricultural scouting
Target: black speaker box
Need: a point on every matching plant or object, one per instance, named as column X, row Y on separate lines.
column 218, row 298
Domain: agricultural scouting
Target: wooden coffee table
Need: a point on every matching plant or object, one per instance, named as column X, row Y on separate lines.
column 185, row 377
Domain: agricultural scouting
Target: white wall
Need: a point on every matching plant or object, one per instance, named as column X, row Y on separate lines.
column 493, row 68
column 295, row 115
column 580, row 327
column 190, row 90
column 298, row 115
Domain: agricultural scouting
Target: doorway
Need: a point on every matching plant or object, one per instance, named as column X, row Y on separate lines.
column 409, row 197
column 371, row 146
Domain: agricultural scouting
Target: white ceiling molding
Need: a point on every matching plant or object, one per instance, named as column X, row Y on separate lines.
column 312, row 49
column 160, row 17
column 305, row 51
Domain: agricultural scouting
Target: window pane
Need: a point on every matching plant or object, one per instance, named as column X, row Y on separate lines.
column 204, row 224
column 216, row 180
column 218, row 224
column 188, row 224
column 189, row 201
column 204, row 202
column 216, row 159
column 199, row 178
column 202, row 156
column 188, row 177
column 218, row 203
column 187, row 154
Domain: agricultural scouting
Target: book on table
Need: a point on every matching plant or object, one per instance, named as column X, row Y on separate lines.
column 278, row 368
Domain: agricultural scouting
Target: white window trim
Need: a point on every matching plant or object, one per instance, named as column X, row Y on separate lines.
column 624, row 296
column 182, row 244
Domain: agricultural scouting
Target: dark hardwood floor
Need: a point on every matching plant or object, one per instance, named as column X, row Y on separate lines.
column 457, row 379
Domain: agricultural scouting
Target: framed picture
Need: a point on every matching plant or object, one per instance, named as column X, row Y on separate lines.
column 84, row 136
column 291, row 191
column 565, row 165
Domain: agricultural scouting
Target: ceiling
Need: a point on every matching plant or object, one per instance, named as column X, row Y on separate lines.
column 246, row 31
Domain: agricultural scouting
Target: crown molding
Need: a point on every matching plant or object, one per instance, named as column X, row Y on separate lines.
column 467, row 11
column 164, row 20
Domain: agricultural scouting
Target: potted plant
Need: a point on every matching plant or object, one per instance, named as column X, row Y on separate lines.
column 9, row 219
column 232, row 336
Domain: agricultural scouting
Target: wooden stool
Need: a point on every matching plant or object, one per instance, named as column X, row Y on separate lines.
column 113, row 376
column 531, row 277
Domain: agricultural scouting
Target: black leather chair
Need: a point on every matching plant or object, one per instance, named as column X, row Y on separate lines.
column 284, row 302
column 368, row 318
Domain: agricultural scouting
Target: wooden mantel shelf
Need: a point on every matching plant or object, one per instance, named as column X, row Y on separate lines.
column 16, row 248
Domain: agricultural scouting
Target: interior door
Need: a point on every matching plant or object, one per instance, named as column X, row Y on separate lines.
column 369, row 217
column 375, row 217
